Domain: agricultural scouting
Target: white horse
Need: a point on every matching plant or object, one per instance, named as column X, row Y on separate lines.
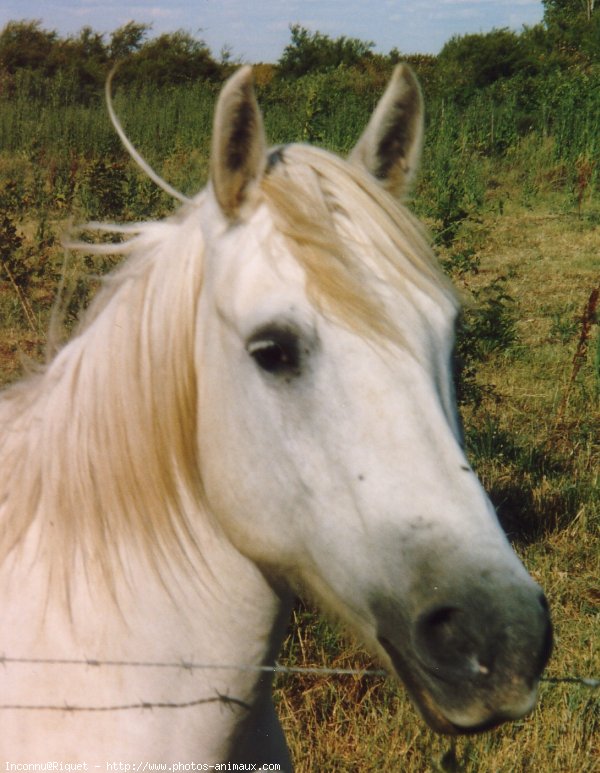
column 259, row 403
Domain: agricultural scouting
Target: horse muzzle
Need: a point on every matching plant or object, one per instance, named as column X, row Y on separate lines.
column 473, row 660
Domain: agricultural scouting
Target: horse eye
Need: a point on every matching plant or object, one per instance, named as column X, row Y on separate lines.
column 276, row 352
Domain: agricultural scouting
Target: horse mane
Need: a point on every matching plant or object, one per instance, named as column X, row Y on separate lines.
column 100, row 446
column 355, row 242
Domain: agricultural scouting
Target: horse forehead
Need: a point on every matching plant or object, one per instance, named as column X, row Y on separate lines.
column 256, row 270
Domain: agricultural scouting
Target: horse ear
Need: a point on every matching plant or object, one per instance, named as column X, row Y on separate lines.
column 390, row 146
column 238, row 153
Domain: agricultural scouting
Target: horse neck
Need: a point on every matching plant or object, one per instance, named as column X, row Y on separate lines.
column 227, row 616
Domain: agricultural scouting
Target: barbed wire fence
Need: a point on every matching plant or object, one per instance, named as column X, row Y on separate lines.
column 592, row 683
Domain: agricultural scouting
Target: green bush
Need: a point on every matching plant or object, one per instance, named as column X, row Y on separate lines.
column 314, row 52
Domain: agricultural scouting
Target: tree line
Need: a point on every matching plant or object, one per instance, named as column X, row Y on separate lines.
column 568, row 38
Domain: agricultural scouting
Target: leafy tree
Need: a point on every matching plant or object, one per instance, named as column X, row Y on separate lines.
column 24, row 45
column 81, row 61
column 470, row 62
column 84, row 54
column 314, row 51
column 172, row 58
column 566, row 11
column 574, row 29
column 128, row 39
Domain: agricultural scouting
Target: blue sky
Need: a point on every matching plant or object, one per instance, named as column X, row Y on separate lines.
column 259, row 31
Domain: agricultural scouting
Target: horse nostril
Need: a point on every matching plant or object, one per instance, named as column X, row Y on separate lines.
column 478, row 640
column 449, row 643
column 438, row 627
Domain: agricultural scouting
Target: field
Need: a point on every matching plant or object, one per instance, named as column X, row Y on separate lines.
column 515, row 216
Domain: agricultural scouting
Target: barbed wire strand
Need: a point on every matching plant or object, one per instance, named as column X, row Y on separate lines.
column 277, row 668
column 589, row 682
column 124, row 707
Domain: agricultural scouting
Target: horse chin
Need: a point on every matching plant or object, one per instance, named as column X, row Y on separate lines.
column 422, row 699
column 426, row 704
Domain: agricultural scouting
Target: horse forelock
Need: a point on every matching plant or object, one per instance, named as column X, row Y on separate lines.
column 352, row 239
